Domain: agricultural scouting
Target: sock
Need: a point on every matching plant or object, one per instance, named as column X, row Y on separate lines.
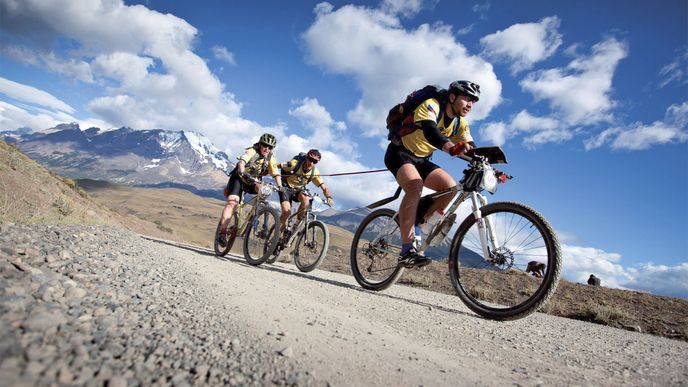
column 405, row 247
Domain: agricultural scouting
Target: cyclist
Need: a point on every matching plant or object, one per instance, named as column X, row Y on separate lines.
column 300, row 171
column 256, row 162
column 439, row 123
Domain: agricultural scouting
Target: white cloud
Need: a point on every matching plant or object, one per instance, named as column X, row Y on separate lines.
column 144, row 57
column 326, row 131
column 482, row 9
column 676, row 70
column 524, row 44
column 347, row 190
column 660, row 279
column 407, row 8
column 388, row 61
column 640, row 136
column 13, row 117
column 32, row 95
column 537, row 130
column 221, row 53
column 579, row 262
column 581, row 92
column 339, row 156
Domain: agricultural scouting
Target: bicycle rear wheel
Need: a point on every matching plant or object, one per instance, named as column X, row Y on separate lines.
column 311, row 246
column 375, row 250
column 231, row 234
column 261, row 236
column 497, row 286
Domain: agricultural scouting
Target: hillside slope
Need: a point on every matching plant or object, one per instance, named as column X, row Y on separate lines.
column 30, row 193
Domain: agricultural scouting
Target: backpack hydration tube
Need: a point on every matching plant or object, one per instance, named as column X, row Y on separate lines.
column 398, row 114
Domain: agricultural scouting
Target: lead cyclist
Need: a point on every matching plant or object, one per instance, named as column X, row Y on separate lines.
column 439, row 124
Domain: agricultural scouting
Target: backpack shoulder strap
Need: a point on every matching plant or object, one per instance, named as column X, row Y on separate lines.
column 302, row 157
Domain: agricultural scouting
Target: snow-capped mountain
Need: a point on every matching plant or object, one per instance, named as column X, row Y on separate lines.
column 157, row 157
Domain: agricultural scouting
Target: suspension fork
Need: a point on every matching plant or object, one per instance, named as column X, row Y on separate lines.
column 486, row 230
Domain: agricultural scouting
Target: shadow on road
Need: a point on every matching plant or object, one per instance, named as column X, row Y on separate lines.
column 307, row 276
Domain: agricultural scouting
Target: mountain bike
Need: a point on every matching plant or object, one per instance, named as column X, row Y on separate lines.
column 488, row 254
column 257, row 222
column 312, row 237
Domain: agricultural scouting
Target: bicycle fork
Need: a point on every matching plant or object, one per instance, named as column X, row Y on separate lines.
column 486, row 230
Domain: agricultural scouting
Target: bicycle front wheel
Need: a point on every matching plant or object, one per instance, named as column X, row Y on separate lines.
column 230, row 236
column 497, row 285
column 311, row 246
column 375, row 250
column 261, row 236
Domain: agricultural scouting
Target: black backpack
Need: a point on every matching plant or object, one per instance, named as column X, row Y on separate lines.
column 398, row 114
column 300, row 158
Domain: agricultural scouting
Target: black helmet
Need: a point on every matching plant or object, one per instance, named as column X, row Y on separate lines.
column 314, row 153
column 268, row 139
column 466, row 88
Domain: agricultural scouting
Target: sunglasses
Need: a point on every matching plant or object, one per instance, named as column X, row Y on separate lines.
column 266, row 145
column 312, row 160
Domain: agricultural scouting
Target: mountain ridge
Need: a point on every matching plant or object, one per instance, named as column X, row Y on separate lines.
column 145, row 158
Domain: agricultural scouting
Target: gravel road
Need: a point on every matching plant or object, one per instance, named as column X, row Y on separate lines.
column 85, row 305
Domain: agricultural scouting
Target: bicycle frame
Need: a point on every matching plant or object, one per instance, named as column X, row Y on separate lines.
column 301, row 223
column 256, row 202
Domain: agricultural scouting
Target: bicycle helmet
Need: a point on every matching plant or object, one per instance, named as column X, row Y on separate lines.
column 314, row 153
column 466, row 88
column 268, row 139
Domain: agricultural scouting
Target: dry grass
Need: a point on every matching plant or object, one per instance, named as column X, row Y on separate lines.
column 30, row 193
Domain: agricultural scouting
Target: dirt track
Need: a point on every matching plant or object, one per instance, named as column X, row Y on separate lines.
column 345, row 335
column 84, row 305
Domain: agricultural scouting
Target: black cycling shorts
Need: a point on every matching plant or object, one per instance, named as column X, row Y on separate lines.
column 237, row 187
column 398, row 155
column 289, row 194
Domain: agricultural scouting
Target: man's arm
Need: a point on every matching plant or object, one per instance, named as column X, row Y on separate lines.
column 328, row 194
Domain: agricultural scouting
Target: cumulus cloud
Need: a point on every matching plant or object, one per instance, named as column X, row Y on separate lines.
column 326, row 131
column 388, row 61
column 524, row 44
column 660, row 279
column 143, row 57
column 536, row 130
column 221, row 53
column 580, row 92
column 639, row 136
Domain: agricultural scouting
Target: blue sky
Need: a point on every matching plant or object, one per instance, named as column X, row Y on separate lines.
column 589, row 99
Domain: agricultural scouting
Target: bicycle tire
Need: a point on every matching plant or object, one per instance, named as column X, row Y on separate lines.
column 382, row 256
column 261, row 235
column 301, row 262
column 273, row 257
column 498, row 290
column 231, row 236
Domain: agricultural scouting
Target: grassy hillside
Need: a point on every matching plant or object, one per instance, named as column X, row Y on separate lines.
column 30, row 193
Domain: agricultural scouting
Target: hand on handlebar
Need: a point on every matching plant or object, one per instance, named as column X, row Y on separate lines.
column 460, row 148
column 329, row 201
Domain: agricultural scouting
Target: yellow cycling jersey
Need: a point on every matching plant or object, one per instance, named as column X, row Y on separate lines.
column 254, row 163
column 299, row 179
column 457, row 129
